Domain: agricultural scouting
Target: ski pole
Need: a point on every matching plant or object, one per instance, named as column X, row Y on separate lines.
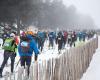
column 17, row 63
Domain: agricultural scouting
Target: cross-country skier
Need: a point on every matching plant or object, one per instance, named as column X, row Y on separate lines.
column 60, row 41
column 69, row 39
column 9, row 51
column 74, row 38
column 65, row 34
column 25, row 49
column 51, row 39
column 41, row 40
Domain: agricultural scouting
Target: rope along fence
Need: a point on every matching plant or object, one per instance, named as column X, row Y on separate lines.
column 68, row 66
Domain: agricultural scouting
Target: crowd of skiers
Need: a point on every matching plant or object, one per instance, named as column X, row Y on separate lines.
column 26, row 45
column 61, row 38
column 30, row 42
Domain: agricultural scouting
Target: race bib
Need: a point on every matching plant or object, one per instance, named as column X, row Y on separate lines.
column 6, row 44
column 59, row 38
column 24, row 44
column 72, row 35
column 50, row 35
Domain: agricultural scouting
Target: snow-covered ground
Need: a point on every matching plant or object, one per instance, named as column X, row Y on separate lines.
column 45, row 55
column 93, row 72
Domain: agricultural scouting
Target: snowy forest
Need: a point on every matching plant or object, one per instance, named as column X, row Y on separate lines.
column 43, row 14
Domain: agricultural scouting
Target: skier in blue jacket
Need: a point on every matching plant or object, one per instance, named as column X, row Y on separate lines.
column 41, row 40
column 25, row 49
column 51, row 36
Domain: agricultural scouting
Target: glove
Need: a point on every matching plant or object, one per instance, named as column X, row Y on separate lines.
column 36, row 57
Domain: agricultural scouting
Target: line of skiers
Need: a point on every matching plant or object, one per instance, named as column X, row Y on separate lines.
column 67, row 37
column 26, row 46
column 61, row 38
column 30, row 42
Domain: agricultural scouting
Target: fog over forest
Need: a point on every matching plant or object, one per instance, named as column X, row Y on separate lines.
column 44, row 14
column 90, row 7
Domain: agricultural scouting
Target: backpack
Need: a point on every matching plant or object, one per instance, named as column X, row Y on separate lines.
column 8, row 45
column 25, row 46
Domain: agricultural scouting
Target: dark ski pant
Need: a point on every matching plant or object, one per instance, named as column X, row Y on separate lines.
column 26, row 60
column 70, row 42
column 8, row 54
column 60, row 45
column 40, row 45
column 80, row 38
column 73, row 41
column 65, row 40
column 51, row 43
column 84, row 39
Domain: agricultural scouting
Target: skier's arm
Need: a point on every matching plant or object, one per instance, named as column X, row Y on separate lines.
column 36, row 51
column 13, row 42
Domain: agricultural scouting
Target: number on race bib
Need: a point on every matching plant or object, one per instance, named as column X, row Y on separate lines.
column 6, row 44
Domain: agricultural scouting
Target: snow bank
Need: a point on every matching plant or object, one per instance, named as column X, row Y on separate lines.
column 93, row 72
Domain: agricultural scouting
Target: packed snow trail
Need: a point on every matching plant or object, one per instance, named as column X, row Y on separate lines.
column 93, row 72
column 46, row 54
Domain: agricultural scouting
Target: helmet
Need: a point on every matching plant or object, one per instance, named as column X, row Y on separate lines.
column 12, row 35
column 6, row 36
column 23, row 34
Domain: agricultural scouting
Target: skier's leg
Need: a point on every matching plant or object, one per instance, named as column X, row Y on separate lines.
column 74, row 43
column 42, row 45
column 58, row 46
column 49, row 43
column 39, row 45
column 12, row 61
column 61, row 45
column 6, row 56
column 52, row 44
column 28, row 63
column 22, row 59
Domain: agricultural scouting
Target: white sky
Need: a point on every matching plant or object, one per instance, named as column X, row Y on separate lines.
column 91, row 7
